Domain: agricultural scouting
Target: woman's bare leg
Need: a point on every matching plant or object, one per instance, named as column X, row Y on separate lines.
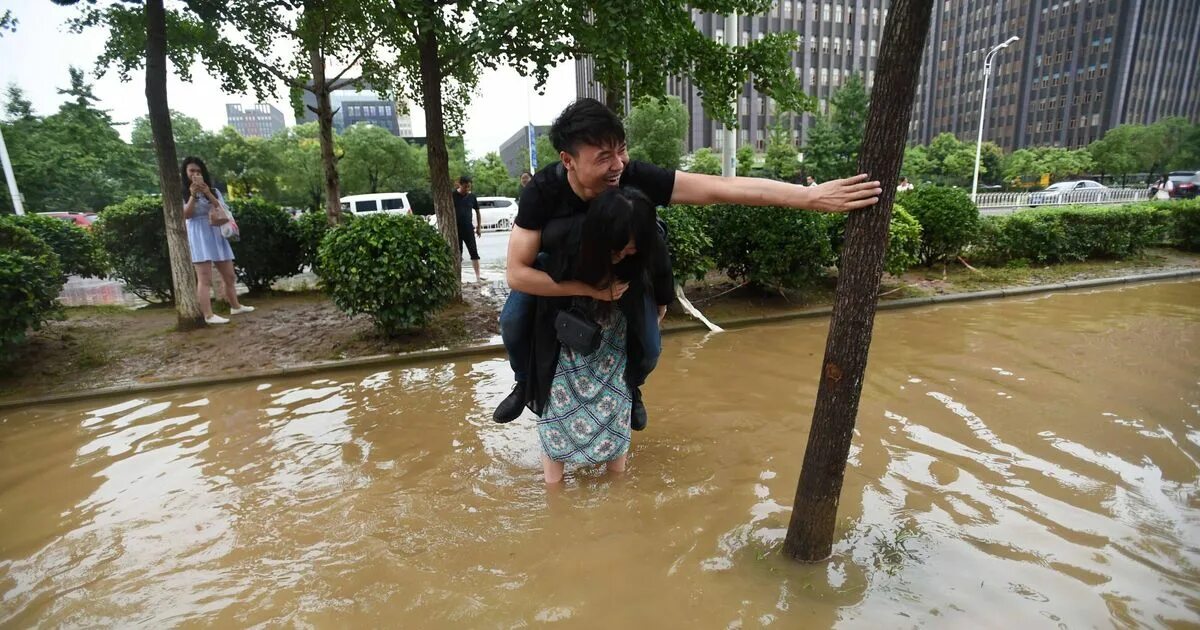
column 552, row 470
column 618, row 465
column 204, row 287
column 230, row 281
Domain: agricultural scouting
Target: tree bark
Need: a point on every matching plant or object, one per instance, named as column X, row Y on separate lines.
column 183, row 276
column 436, row 154
column 321, row 89
column 814, row 513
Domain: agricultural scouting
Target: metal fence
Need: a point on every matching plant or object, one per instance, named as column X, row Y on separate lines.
column 1010, row 200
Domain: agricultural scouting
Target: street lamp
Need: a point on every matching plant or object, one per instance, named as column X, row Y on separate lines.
column 987, row 70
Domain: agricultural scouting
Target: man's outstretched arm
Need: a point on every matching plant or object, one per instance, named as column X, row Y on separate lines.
column 839, row 195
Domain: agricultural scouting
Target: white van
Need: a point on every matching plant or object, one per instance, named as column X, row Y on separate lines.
column 389, row 203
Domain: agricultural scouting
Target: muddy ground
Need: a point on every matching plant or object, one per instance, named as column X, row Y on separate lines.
column 94, row 347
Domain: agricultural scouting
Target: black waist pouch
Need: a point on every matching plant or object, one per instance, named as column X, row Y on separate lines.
column 577, row 331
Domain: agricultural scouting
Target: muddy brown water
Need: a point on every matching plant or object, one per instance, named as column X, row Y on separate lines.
column 1019, row 463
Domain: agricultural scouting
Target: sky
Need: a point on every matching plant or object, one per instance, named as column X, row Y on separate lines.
column 36, row 57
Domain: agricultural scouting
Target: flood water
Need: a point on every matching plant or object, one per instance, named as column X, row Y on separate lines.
column 1019, row 463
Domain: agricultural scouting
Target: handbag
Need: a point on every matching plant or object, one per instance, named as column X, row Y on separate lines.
column 577, row 331
column 229, row 229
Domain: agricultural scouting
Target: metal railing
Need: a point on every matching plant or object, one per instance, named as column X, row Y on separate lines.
column 1004, row 200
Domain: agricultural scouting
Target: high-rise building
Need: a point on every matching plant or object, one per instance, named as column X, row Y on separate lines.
column 1079, row 68
column 355, row 104
column 513, row 151
column 259, row 121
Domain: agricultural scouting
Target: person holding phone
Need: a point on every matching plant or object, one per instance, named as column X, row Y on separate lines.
column 204, row 209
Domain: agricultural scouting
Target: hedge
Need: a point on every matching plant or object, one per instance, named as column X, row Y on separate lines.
column 1071, row 234
column 688, row 240
column 311, row 229
column 904, row 240
column 269, row 243
column 75, row 247
column 133, row 235
column 949, row 220
column 397, row 269
column 1185, row 224
column 776, row 248
column 30, row 280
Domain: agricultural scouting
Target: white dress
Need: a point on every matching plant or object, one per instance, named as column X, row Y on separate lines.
column 204, row 239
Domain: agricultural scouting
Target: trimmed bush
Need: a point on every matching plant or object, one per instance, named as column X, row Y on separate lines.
column 1185, row 224
column 133, row 236
column 904, row 240
column 948, row 218
column 75, row 247
column 777, row 248
column 311, row 229
column 688, row 242
column 1072, row 234
column 269, row 247
column 30, row 279
column 397, row 269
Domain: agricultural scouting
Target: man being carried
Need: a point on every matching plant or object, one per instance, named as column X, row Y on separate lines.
column 590, row 141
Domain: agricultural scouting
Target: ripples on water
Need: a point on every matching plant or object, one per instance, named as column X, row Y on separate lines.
column 1018, row 462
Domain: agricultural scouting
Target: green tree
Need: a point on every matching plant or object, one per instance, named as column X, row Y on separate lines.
column 301, row 174
column 655, row 129
column 1022, row 164
column 782, row 157
column 73, row 159
column 705, row 161
column 745, row 160
column 1189, row 151
column 491, row 177
column 191, row 139
column 959, row 166
column 1115, row 153
column 834, row 139
column 374, row 160
column 247, row 165
column 991, row 159
column 917, row 165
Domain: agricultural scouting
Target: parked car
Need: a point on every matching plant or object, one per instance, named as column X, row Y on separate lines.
column 498, row 213
column 1187, row 183
column 82, row 219
column 375, row 203
column 1078, row 191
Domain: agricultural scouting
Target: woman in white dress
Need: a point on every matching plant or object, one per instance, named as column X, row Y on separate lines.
column 205, row 241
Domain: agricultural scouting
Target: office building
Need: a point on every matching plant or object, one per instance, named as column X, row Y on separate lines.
column 1080, row 67
column 514, row 151
column 254, row 121
column 360, row 104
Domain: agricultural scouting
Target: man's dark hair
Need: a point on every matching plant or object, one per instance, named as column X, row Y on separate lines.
column 586, row 121
column 464, row 179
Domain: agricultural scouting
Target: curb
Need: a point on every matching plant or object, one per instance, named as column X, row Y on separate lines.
column 494, row 349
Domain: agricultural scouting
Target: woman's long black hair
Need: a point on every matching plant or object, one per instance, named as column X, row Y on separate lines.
column 183, row 176
column 613, row 218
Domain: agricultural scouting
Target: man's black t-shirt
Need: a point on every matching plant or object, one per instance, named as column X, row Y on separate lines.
column 549, row 192
column 464, row 208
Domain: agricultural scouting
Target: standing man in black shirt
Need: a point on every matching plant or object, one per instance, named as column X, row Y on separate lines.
column 464, row 203
column 590, row 140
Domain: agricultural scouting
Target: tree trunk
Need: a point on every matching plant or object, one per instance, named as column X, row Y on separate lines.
column 814, row 513
column 183, row 276
column 333, row 197
column 436, row 154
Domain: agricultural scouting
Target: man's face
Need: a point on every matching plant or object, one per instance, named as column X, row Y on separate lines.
column 597, row 167
column 525, row 179
column 465, row 188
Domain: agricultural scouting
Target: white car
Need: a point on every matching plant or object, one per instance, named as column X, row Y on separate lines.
column 498, row 214
column 1080, row 191
column 375, row 203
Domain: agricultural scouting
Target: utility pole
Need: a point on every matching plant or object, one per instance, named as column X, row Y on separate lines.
column 987, row 71
column 729, row 143
column 12, row 179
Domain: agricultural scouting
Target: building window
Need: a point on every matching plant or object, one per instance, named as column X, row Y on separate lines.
column 824, row 76
column 812, row 76
column 873, row 47
column 837, row 77
column 825, row 44
column 875, row 17
column 837, row 45
column 825, row 12
column 720, row 36
column 1095, row 120
column 745, row 37
column 837, row 13
column 787, row 8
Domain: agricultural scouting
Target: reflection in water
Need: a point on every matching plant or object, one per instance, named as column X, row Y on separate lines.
column 1034, row 460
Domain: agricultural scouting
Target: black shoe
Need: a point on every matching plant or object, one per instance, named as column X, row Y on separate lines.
column 638, row 418
column 511, row 407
